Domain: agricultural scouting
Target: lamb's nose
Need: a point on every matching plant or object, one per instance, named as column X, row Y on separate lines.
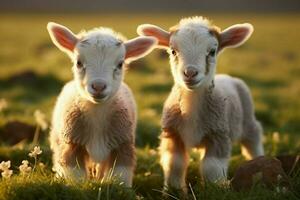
column 190, row 72
column 98, row 87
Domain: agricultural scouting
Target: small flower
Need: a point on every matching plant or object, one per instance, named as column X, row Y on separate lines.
column 35, row 152
column 25, row 162
column 7, row 173
column 152, row 152
column 3, row 104
column 42, row 165
column 284, row 190
column 5, row 165
column 40, row 119
column 276, row 137
column 281, row 189
column 279, row 177
column 147, row 173
column 24, row 168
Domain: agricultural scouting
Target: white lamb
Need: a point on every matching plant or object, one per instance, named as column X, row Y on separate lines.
column 204, row 110
column 94, row 119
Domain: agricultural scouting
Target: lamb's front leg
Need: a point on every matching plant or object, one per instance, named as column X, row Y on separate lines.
column 215, row 162
column 122, row 162
column 73, row 161
column 174, row 160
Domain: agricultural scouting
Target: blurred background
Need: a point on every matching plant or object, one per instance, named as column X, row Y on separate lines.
column 100, row 6
column 33, row 70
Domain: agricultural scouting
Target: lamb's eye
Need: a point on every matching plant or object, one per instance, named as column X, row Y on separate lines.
column 120, row 65
column 212, row 52
column 174, row 53
column 79, row 64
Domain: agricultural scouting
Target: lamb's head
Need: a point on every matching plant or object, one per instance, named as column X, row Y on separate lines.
column 193, row 46
column 98, row 58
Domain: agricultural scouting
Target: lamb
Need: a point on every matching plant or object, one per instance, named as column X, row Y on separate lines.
column 203, row 110
column 94, row 119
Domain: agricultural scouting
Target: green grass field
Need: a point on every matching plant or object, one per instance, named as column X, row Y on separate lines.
column 269, row 63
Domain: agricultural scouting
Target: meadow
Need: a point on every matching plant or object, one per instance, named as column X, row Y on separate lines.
column 33, row 71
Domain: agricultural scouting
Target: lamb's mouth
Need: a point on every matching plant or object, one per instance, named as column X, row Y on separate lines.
column 99, row 98
column 193, row 84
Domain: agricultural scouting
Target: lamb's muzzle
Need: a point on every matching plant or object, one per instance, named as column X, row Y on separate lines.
column 98, row 89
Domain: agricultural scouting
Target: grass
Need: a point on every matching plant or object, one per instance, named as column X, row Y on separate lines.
column 33, row 71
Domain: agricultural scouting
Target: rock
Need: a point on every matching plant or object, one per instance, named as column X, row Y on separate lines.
column 264, row 170
column 290, row 163
column 16, row 131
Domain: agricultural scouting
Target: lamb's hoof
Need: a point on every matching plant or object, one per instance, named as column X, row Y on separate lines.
column 171, row 192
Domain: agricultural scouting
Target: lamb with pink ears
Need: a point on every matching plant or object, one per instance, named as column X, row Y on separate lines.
column 94, row 119
column 203, row 110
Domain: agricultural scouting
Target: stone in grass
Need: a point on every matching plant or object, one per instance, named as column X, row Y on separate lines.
column 261, row 170
column 15, row 131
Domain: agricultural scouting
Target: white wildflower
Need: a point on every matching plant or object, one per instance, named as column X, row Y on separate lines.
column 147, row 173
column 42, row 165
column 35, row 152
column 3, row 104
column 5, row 165
column 281, row 189
column 284, row 190
column 152, row 152
column 276, row 137
column 40, row 119
column 279, row 177
column 25, row 168
column 7, row 173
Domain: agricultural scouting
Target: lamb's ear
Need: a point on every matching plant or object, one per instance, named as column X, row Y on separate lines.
column 235, row 35
column 161, row 35
column 139, row 47
column 62, row 37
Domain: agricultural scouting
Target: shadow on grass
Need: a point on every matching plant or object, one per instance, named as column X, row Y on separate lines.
column 292, row 126
column 157, row 88
column 140, row 66
column 147, row 134
column 31, row 86
column 263, row 84
column 266, row 118
column 158, row 107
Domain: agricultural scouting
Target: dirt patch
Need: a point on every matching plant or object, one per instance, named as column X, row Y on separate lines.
column 14, row 132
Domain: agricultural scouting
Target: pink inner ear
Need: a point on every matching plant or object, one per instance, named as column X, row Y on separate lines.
column 137, row 47
column 64, row 38
column 163, row 38
column 233, row 36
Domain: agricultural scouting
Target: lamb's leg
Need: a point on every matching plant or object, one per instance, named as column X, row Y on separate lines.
column 215, row 162
column 73, row 161
column 252, row 131
column 122, row 162
column 174, row 161
column 252, row 145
